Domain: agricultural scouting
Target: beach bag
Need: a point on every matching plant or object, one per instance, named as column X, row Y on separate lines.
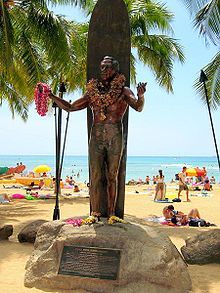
column 177, row 200
column 197, row 223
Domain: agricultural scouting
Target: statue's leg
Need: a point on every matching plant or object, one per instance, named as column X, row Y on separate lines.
column 114, row 155
column 96, row 162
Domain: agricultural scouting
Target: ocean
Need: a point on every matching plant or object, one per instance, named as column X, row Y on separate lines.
column 137, row 166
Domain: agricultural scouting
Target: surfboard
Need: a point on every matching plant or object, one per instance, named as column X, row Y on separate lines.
column 109, row 34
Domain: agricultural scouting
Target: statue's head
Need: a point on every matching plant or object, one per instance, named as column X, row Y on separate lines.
column 109, row 66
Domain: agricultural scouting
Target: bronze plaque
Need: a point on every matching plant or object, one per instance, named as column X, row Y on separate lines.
column 92, row 262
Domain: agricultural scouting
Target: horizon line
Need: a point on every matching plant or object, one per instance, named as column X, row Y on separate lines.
column 53, row 155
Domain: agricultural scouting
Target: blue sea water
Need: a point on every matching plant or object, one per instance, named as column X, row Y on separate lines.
column 137, row 166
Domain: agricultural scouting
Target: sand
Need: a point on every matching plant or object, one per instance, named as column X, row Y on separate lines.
column 14, row 255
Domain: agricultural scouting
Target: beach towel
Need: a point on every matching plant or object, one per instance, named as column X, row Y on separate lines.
column 160, row 220
column 155, row 219
column 30, row 197
column 45, row 196
column 18, row 196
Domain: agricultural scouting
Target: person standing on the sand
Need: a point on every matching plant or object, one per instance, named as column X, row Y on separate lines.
column 182, row 183
column 160, row 187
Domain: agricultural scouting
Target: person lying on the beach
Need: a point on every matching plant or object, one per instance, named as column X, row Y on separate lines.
column 4, row 198
column 178, row 218
column 169, row 212
column 181, row 219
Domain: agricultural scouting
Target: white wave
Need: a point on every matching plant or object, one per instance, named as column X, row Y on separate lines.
column 176, row 165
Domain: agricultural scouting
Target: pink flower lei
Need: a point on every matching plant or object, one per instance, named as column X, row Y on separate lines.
column 41, row 98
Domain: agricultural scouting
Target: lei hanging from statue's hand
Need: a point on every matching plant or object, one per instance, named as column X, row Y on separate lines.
column 41, row 98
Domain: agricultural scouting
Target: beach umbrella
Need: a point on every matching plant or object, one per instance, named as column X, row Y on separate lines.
column 191, row 172
column 41, row 169
column 200, row 172
column 195, row 172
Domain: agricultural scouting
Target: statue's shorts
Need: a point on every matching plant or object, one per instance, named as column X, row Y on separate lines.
column 105, row 152
column 106, row 137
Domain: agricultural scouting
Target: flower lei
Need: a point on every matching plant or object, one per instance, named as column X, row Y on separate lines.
column 103, row 100
column 79, row 222
column 91, row 220
column 114, row 219
column 41, row 98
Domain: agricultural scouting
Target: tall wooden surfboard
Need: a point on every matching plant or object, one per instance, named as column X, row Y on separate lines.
column 109, row 35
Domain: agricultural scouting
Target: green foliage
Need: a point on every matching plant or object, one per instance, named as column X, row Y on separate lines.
column 207, row 21
column 37, row 45
column 212, row 71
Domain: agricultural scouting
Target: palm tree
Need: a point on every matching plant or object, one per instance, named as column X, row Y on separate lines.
column 28, row 42
column 207, row 20
column 32, row 41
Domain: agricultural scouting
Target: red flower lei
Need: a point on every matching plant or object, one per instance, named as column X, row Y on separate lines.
column 103, row 100
column 42, row 98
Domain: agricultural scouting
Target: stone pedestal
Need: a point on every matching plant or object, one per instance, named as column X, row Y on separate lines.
column 149, row 261
column 203, row 248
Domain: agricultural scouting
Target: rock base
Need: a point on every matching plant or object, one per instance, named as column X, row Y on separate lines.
column 149, row 261
column 203, row 248
column 5, row 232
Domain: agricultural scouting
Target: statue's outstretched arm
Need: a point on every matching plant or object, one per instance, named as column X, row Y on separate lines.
column 130, row 98
column 79, row 104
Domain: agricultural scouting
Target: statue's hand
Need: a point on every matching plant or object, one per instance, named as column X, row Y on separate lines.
column 40, row 88
column 141, row 88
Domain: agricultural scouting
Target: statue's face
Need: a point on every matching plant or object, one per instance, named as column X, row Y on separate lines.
column 106, row 69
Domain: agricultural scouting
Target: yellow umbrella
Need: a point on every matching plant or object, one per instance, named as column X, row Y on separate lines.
column 41, row 169
column 191, row 172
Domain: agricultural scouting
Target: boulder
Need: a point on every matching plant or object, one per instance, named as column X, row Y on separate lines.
column 29, row 232
column 5, row 232
column 149, row 262
column 203, row 248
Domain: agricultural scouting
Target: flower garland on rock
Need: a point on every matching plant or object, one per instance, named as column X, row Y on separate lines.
column 41, row 97
column 99, row 98
column 79, row 222
column 114, row 219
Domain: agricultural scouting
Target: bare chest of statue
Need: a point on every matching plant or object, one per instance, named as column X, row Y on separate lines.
column 110, row 113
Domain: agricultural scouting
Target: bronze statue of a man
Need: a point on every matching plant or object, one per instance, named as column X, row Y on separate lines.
column 108, row 99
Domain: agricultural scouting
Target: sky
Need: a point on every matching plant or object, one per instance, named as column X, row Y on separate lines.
column 170, row 125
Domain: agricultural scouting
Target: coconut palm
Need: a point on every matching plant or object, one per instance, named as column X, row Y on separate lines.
column 29, row 44
column 32, row 39
column 207, row 20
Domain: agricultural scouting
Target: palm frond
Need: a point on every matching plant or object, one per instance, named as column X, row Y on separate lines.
column 159, row 53
column 16, row 102
column 147, row 15
column 67, row 2
column 133, row 69
column 212, row 71
column 45, row 26
column 206, row 18
column 6, row 37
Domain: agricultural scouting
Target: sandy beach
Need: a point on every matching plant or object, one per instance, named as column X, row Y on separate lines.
column 139, row 206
